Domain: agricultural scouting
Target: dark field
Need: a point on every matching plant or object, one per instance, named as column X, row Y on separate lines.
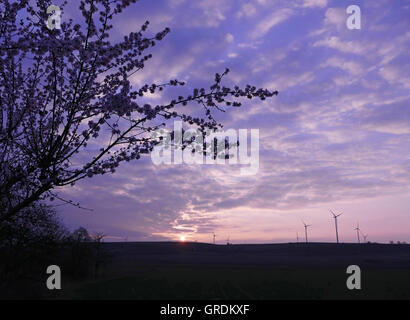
column 170, row 270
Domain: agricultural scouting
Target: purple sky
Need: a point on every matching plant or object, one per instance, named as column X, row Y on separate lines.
column 337, row 136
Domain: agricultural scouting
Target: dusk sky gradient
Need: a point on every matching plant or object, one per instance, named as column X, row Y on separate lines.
column 336, row 137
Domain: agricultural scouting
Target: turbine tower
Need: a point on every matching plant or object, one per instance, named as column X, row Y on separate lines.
column 214, row 237
column 335, row 217
column 358, row 232
column 306, row 226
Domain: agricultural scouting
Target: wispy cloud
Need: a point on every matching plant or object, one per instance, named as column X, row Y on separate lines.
column 270, row 21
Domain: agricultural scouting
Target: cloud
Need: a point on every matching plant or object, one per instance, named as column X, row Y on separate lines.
column 336, row 43
column 386, row 117
column 396, row 75
column 336, row 17
column 352, row 67
column 247, row 10
column 229, row 38
column 314, row 3
column 214, row 12
column 273, row 19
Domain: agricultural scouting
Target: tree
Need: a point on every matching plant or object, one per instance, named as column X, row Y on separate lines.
column 29, row 238
column 81, row 235
column 36, row 224
column 63, row 90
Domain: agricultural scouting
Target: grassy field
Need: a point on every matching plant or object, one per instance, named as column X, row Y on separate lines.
column 287, row 271
column 242, row 283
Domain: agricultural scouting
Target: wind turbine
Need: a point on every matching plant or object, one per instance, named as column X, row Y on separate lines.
column 214, row 237
column 335, row 217
column 297, row 237
column 364, row 236
column 227, row 241
column 358, row 232
column 306, row 226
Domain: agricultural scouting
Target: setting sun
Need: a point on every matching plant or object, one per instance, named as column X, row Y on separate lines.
column 182, row 238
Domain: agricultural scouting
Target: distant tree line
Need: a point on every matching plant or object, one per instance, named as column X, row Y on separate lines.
column 34, row 239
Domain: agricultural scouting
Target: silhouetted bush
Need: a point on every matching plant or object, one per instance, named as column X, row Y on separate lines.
column 29, row 242
column 85, row 255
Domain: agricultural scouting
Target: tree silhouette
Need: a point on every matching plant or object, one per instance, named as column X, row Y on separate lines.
column 68, row 109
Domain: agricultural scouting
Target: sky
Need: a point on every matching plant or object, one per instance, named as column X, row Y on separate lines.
column 336, row 137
